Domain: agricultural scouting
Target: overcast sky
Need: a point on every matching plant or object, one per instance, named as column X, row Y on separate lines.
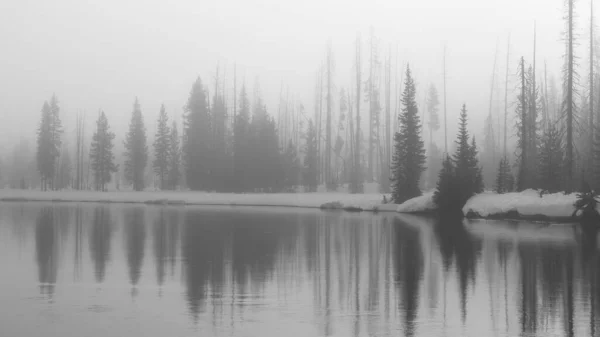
column 102, row 54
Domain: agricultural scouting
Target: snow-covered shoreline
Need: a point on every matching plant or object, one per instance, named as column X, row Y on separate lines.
column 352, row 202
column 526, row 205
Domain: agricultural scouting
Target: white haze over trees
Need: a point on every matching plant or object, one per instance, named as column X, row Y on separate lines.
column 104, row 56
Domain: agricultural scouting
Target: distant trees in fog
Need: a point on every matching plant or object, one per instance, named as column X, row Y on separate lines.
column 136, row 150
column 102, row 158
column 229, row 141
column 49, row 143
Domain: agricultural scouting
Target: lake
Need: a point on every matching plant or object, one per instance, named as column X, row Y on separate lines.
column 135, row 270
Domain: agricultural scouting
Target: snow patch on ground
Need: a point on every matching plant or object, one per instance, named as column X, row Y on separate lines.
column 332, row 200
column 419, row 204
column 526, row 203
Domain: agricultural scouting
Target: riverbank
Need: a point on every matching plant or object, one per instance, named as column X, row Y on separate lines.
column 525, row 205
column 323, row 200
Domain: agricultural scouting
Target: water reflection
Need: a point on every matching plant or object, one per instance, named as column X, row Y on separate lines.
column 135, row 240
column 100, row 238
column 273, row 272
column 46, row 237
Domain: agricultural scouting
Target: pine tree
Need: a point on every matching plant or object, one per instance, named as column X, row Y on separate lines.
column 64, row 170
column 49, row 143
column 241, row 138
column 196, row 133
column 174, row 158
column 468, row 174
column 551, row 160
column 467, row 177
column 477, row 174
column 136, row 151
column 291, row 167
column 102, row 159
column 504, row 177
column 409, row 150
column 161, row 148
column 45, row 158
column 311, row 169
column 432, row 108
column 56, row 131
column 447, row 188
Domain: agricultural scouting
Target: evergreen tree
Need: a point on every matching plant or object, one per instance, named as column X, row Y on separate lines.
column 467, row 175
column 432, row 108
column 217, row 165
column 161, row 148
column 447, row 188
column 136, row 151
column 196, row 141
column 64, row 170
column 409, row 150
column 56, row 131
column 173, row 158
column 102, row 159
column 291, row 167
column 45, row 155
column 504, row 177
column 311, row 169
column 49, row 143
column 476, row 169
column 241, row 137
column 434, row 164
column 551, row 160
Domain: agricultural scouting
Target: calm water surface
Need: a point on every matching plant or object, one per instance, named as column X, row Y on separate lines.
column 122, row 270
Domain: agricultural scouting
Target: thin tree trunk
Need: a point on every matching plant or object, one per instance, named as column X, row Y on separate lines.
column 357, row 179
column 491, row 100
column 523, row 174
column 328, row 173
column 569, row 102
column 506, row 95
column 591, row 139
column 445, row 112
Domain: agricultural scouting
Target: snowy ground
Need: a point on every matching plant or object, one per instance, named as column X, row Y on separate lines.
column 527, row 204
column 334, row 200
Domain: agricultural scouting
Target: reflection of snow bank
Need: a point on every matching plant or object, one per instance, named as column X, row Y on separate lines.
column 525, row 204
column 367, row 202
column 522, row 231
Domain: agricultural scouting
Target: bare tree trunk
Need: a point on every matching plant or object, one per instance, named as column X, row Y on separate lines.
column 371, row 112
column 491, row 100
column 388, row 135
column 591, row 135
column 546, row 102
column 328, row 173
column 523, row 169
column 506, row 95
column 445, row 112
column 569, row 100
column 320, row 126
column 357, row 179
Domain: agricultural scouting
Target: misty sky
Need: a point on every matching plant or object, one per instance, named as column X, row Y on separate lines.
column 102, row 54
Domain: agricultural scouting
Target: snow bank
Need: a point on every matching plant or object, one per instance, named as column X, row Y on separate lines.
column 420, row 204
column 527, row 204
column 336, row 200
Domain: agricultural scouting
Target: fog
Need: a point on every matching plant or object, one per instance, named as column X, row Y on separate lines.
column 101, row 55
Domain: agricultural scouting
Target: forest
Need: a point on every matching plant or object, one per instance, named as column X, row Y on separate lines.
column 371, row 131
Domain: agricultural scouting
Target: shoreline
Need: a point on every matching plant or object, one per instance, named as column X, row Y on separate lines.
column 324, row 201
column 485, row 206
